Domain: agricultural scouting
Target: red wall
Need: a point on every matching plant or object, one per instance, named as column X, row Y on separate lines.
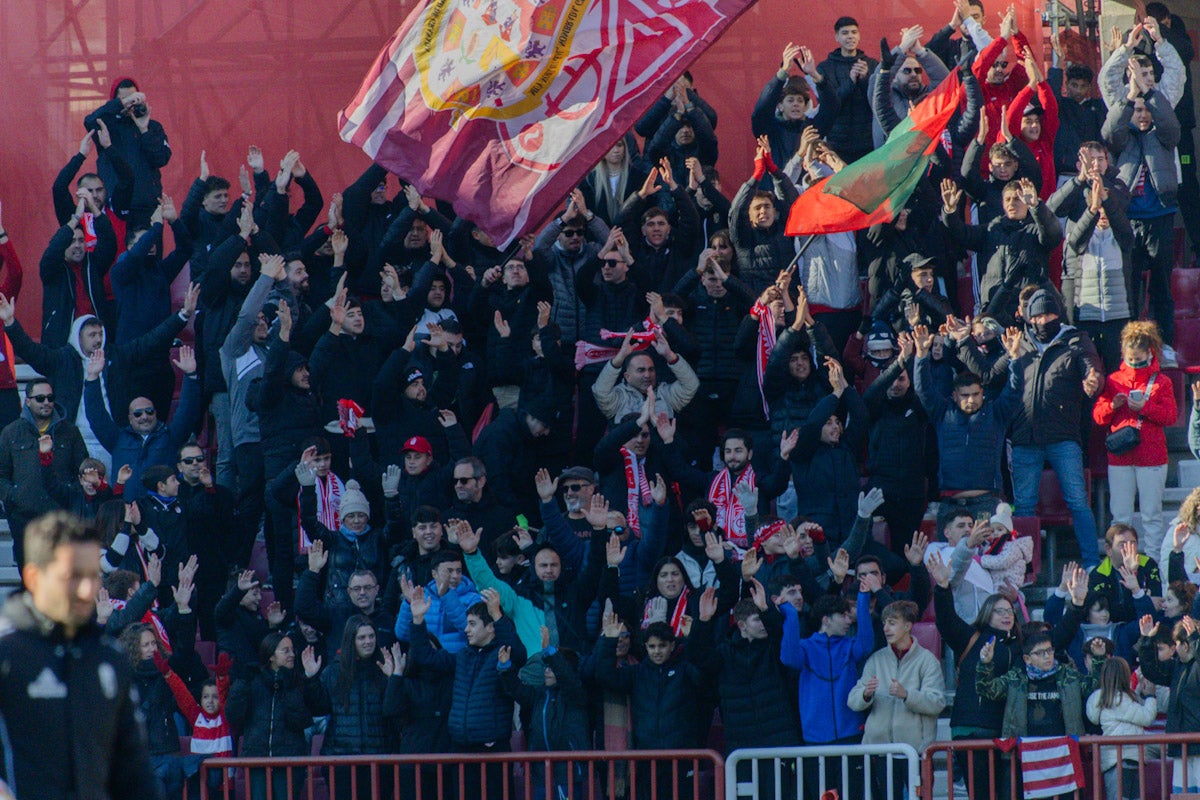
column 222, row 74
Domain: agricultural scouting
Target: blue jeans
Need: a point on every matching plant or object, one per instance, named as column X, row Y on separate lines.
column 1066, row 459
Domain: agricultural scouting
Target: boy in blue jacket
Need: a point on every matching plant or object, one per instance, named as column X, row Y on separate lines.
column 829, row 663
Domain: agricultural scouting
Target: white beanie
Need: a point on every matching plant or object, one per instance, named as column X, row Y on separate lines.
column 353, row 500
column 1003, row 516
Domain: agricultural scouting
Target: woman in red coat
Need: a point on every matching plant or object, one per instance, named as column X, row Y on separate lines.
column 1132, row 399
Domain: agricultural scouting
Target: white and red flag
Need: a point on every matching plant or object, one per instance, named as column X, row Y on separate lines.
column 501, row 108
column 1050, row 765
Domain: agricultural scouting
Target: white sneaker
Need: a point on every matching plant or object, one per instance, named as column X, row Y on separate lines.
column 1169, row 359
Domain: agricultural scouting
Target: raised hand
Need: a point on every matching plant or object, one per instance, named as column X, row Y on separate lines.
column 186, row 363
column 922, row 340
column 951, row 194
column 95, row 365
column 596, row 512
column 915, row 553
column 85, row 144
column 492, row 598
column 1012, row 341
column 419, row 604
column 790, row 54
column 8, row 313
column 244, row 181
column 1129, row 578
column 545, row 485
column 1029, row 192
column 1077, row 586
column 311, row 662
column 837, row 376
column 45, row 443
column 275, row 614
column 658, row 490
column 123, row 476
column 614, row 553
column 254, row 158
column 1129, row 555
column 1179, row 537
column 751, row 563
column 317, row 557
column 203, row 164
column 988, row 651
column 154, row 570
column 868, row 501
column 714, row 548
column 757, row 593
column 839, row 565
column 610, row 622
column 939, row 571
column 468, row 538
column 708, row 604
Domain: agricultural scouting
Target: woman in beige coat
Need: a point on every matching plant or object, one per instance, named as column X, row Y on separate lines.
column 903, row 690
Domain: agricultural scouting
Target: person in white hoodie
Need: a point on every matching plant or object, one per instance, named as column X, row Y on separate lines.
column 903, row 690
column 1119, row 711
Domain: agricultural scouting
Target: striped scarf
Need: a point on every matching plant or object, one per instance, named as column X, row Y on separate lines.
column 329, row 501
column 766, row 343
column 637, row 489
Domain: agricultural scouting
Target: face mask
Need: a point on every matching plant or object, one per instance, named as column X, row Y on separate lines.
column 1045, row 332
column 881, row 363
column 1138, row 364
column 990, row 346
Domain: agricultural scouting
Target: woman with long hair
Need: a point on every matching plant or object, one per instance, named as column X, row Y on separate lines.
column 351, row 691
column 156, row 703
column 611, row 181
column 1119, row 711
column 1137, row 403
column 974, row 717
column 268, row 707
column 670, row 596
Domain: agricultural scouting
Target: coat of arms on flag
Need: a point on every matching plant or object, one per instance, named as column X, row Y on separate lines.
column 501, row 108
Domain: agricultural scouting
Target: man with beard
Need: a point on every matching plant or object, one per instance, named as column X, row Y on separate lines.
column 894, row 91
column 1062, row 373
column 970, row 431
column 1001, row 73
column 564, row 246
column 72, row 276
column 725, row 488
column 666, row 249
column 756, row 226
column 639, row 378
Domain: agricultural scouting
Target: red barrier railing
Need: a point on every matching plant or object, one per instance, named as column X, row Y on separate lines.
column 993, row 773
column 582, row 775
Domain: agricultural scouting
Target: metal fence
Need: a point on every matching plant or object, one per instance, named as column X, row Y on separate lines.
column 870, row 771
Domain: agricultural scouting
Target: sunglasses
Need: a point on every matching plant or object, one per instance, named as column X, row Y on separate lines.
column 574, row 487
column 468, row 479
column 912, row 70
column 572, row 232
column 191, row 460
column 42, row 398
column 138, row 413
column 999, row 65
column 613, row 262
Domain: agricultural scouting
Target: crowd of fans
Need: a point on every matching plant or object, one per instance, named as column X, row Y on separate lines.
column 629, row 471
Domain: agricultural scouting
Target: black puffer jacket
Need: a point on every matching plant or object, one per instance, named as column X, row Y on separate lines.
column 611, row 306
column 756, row 706
column 849, row 132
column 662, row 698
column 479, row 712
column 239, row 631
column 419, row 702
column 714, row 322
column 897, row 438
column 83, row 739
column 346, row 555
column 287, row 415
column 356, row 723
column 271, row 709
column 761, row 254
column 1054, row 398
column 157, row 705
column 791, row 400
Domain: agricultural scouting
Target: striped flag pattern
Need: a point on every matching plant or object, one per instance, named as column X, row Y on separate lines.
column 1050, row 765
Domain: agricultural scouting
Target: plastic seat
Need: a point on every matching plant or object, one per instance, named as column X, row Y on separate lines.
column 1185, row 288
column 1031, row 527
column 1052, row 508
column 1187, row 341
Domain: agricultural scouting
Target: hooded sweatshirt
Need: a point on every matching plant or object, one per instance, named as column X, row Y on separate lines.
column 95, row 449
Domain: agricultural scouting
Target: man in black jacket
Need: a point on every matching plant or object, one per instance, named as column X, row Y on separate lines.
column 140, row 141
column 847, row 69
column 22, row 489
column 208, row 519
column 1062, row 374
column 68, row 265
column 69, row 731
column 477, row 504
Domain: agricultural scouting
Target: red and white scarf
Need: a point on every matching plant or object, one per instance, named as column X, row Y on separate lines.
column 637, row 489
column 151, row 619
column 350, row 414
column 329, row 501
column 731, row 516
column 88, row 223
column 766, row 343
column 675, row 620
column 588, row 353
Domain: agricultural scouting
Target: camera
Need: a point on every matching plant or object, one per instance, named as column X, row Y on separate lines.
column 139, row 110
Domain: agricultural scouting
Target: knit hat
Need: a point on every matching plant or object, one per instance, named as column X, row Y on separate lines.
column 353, row 500
column 411, row 377
column 1033, row 109
column 881, row 337
column 1042, row 302
column 542, row 408
column 417, row 444
column 1003, row 516
column 767, row 531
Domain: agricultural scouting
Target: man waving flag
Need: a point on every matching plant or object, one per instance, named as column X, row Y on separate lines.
column 502, row 108
column 876, row 186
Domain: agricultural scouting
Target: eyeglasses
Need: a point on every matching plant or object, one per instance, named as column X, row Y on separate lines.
column 191, row 460
column 912, row 70
column 613, row 262
column 574, row 487
column 1044, row 652
column 1001, row 610
column 42, row 398
column 363, row 589
column 458, row 480
column 138, row 413
column 999, row 64
column 572, row 231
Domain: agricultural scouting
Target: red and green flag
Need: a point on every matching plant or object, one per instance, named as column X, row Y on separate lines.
column 876, row 186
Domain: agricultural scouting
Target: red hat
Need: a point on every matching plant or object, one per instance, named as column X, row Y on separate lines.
column 418, row 444
column 767, row 531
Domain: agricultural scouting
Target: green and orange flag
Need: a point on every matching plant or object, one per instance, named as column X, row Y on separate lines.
column 876, row 186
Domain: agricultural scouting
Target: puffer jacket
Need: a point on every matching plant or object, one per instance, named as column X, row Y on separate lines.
column 420, row 702
column 356, row 724
column 849, row 131
column 784, row 135
column 271, row 709
column 346, row 553
column 1183, row 678
column 567, row 310
column 828, row 270
column 1099, row 262
column 157, row 705
column 1155, row 148
column 826, row 476
column 1160, row 411
column 447, row 615
column 912, row 720
column 761, row 254
column 662, row 698
column 714, row 322
column 1053, row 381
column 479, row 712
column 756, row 706
column 828, row 667
column 792, row 401
column 887, row 99
column 1127, row 718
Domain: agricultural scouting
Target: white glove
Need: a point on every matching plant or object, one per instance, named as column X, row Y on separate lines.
column 658, row 610
column 305, row 474
column 391, row 481
column 868, row 502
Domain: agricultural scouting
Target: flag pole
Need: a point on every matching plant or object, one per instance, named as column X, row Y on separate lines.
column 803, row 246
